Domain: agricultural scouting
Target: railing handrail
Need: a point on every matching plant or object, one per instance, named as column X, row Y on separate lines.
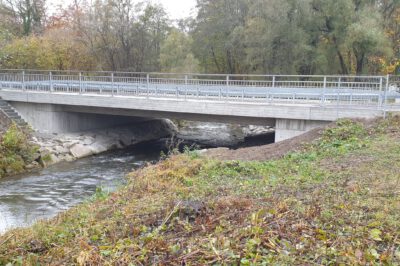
column 326, row 89
column 195, row 74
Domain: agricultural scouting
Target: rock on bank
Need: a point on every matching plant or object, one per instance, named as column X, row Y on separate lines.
column 68, row 147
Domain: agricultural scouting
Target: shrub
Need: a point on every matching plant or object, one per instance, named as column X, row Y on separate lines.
column 15, row 151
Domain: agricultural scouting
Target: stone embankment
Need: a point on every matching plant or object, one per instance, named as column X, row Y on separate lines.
column 5, row 122
column 217, row 134
column 72, row 146
column 55, row 148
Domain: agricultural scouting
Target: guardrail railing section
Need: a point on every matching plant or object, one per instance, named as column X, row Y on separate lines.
column 392, row 93
column 365, row 91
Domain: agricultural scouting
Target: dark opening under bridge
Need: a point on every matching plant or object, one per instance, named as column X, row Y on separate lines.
column 55, row 102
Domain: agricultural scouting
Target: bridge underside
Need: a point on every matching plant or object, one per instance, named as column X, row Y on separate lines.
column 49, row 118
column 63, row 112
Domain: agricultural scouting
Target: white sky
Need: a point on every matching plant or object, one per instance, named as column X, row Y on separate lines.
column 177, row 9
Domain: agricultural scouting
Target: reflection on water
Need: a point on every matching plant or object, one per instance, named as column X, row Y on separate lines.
column 26, row 198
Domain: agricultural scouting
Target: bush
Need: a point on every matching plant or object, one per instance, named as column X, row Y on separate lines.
column 15, row 151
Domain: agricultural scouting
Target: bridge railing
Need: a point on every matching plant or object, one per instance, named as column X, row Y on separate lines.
column 366, row 91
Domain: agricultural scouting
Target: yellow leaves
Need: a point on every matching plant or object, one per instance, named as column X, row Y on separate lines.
column 375, row 234
column 88, row 254
column 55, row 49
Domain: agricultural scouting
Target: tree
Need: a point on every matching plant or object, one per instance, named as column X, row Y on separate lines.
column 23, row 16
column 353, row 30
column 176, row 55
column 217, row 35
column 275, row 38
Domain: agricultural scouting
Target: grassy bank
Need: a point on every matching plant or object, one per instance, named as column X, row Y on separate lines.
column 16, row 152
column 336, row 201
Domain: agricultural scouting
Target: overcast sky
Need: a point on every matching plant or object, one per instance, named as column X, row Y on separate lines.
column 176, row 8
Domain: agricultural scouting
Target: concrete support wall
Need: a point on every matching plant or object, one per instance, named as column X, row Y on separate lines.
column 48, row 118
column 289, row 128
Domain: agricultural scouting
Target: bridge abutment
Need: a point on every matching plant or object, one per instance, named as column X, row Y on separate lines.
column 290, row 128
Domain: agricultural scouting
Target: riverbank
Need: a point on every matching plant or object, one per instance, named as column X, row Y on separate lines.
column 23, row 151
column 50, row 149
column 71, row 146
column 17, row 152
column 334, row 200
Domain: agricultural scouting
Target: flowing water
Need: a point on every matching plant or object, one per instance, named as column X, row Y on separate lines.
column 26, row 198
column 29, row 197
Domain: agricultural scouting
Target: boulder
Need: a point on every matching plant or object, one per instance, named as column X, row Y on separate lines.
column 98, row 148
column 54, row 159
column 80, row 151
column 61, row 150
column 88, row 141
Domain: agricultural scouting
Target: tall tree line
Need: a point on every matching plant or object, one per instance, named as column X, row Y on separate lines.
column 226, row 36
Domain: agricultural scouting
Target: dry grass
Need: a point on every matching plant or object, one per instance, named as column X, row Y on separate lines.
column 335, row 202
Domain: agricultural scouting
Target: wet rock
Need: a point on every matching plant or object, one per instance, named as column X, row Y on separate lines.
column 68, row 158
column 217, row 134
column 61, row 150
column 98, row 148
column 54, row 159
column 33, row 165
column 87, row 141
column 71, row 146
column 80, row 151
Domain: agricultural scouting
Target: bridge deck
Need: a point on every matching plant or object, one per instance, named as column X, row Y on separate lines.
column 339, row 91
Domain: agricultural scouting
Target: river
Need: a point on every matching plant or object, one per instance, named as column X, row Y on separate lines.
column 26, row 198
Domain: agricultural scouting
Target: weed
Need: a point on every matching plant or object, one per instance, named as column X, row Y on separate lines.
column 335, row 202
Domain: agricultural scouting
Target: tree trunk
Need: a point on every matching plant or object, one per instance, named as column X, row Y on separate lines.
column 360, row 63
column 342, row 63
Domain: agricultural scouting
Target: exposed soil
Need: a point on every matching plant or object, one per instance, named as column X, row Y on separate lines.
column 265, row 152
column 278, row 150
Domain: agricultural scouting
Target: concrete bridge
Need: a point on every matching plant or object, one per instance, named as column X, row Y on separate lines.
column 58, row 102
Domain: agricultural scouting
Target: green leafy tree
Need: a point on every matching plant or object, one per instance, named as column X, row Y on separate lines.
column 176, row 55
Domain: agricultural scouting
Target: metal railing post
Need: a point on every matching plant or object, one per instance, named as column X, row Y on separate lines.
column 148, row 84
column 112, row 84
column 226, row 89
column 324, row 91
column 381, row 98
column 23, row 81
column 273, row 81
column 186, row 80
column 340, row 82
column 80, row 83
column 51, row 81
column 386, row 92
